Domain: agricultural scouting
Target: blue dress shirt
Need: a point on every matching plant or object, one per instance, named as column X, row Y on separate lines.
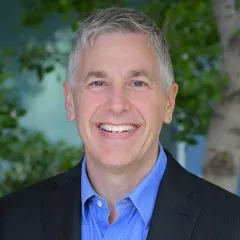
column 134, row 210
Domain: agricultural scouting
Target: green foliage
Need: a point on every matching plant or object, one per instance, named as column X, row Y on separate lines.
column 33, row 159
column 193, row 43
column 36, row 11
column 9, row 111
column 195, row 52
column 237, row 4
column 28, row 156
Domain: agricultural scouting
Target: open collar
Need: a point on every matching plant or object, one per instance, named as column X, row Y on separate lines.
column 144, row 195
column 174, row 216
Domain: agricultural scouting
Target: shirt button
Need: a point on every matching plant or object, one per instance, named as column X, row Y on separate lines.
column 124, row 201
column 99, row 203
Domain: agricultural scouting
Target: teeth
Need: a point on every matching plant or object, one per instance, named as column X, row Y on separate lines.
column 119, row 129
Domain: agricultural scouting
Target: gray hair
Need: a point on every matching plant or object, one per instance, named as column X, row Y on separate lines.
column 115, row 19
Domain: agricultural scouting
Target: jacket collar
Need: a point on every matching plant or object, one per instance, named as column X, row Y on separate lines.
column 176, row 209
column 61, row 208
column 174, row 217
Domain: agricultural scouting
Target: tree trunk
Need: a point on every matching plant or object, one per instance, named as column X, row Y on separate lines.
column 221, row 165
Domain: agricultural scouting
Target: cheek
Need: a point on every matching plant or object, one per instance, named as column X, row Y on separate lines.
column 149, row 104
column 86, row 106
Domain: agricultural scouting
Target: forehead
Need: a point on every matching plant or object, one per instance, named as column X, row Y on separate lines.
column 119, row 51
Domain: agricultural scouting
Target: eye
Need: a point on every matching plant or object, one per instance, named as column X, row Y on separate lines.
column 139, row 84
column 97, row 84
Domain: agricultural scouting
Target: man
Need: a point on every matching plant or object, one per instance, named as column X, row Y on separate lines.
column 120, row 90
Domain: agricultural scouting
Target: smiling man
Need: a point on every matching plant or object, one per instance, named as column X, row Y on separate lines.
column 120, row 90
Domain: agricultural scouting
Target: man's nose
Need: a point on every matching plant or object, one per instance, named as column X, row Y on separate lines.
column 118, row 101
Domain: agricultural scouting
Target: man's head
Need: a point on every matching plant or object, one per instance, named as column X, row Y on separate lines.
column 120, row 86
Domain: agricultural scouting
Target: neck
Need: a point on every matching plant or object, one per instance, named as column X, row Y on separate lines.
column 113, row 184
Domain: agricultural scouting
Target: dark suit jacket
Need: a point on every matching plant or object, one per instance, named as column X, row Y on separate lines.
column 187, row 207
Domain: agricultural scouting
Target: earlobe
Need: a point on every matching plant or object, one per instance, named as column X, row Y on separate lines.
column 71, row 117
column 168, row 119
column 69, row 104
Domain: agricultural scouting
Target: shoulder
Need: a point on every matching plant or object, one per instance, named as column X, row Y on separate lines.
column 29, row 194
column 206, row 194
column 23, row 207
column 25, row 202
column 215, row 196
column 220, row 210
column 30, row 198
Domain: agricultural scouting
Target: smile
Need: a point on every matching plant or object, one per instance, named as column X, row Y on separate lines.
column 117, row 131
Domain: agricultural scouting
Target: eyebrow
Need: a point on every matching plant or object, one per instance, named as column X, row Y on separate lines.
column 103, row 74
column 95, row 74
column 138, row 73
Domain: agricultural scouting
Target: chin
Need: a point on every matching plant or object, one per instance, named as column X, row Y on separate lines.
column 116, row 153
column 115, row 160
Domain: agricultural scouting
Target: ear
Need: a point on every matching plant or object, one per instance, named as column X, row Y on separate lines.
column 69, row 104
column 171, row 98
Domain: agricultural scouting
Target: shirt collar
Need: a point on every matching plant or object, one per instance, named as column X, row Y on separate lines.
column 143, row 196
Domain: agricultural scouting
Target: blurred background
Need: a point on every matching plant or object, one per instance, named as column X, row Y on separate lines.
column 36, row 139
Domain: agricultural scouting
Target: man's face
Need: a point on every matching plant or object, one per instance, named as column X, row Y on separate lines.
column 119, row 102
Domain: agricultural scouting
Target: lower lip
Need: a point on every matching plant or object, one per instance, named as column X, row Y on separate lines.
column 114, row 135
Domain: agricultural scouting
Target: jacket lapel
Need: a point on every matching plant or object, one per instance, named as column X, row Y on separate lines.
column 175, row 213
column 61, row 209
column 176, row 208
